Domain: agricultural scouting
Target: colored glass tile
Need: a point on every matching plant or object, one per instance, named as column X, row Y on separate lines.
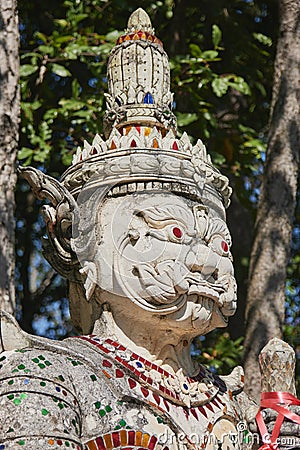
column 131, row 438
column 97, row 405
column 106, row 374
column 11, row 382
column 122, row 423
column 61, row 378
column 108, row 441
column 133, row 143
column 57, row 389
column 21, row 367
column 2, row 447
column 2, row 358
column 45, row 412
column 138, row 438
column 123, row 437
column 108, row 408
column 21, row 442
column 148, row 99
column 48, row 363
column 100, row 443
column 60, row 405
column 59, row 442
column 42, row 383
column 155, row 143
column 41, row 366
column 106, row 363
column 93, row 377
column 41, row 357
column 102, row 412
column 119, row 373
column 116, row 439
column 17, row 401
column 26, row 381
column 152, row 442
column 175, row 146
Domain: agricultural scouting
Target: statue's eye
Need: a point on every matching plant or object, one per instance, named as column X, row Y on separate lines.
column 225, row 246
column 177, row 232
column 220, row 246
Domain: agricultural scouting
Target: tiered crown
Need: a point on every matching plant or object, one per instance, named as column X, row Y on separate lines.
column 141, row 151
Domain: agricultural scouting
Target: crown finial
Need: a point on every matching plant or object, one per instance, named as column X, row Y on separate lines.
column 139, row 21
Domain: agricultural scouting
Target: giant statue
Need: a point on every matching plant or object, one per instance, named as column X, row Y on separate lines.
column 137, row 226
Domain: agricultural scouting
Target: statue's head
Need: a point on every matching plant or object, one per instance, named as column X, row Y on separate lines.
column 138, row 220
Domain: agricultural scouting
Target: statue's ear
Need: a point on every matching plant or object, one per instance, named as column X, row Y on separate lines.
column 59, row 218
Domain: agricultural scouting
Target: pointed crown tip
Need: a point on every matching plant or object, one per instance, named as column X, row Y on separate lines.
column 139, row 20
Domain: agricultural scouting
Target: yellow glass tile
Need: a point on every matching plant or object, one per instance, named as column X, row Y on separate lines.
column 127, row 38
column 113, row 145
column 106, row 374
column 135, row 37
column 91, row 445
column 50, row 441
column 145, row 440
column 128, row 129
column 123, row 437
column 108, row 441
column 138, row 438
column 147, row 131
column 155, row 143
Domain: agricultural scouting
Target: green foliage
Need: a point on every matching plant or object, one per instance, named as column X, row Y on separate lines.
column 219, row 352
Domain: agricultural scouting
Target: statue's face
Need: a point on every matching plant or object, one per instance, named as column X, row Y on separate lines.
column 169, row 256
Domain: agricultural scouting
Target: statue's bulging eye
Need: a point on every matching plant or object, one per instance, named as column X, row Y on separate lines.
column 177, row 232
column 220, row 246
column 225, row 246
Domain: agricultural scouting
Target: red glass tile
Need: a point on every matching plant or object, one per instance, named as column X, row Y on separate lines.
column 132, row 383
column 152, row 442
column 116, row 439
column 119, row 373
column 106, row 363
column 193, row 411
column 131, row 437
column 144, row 391
column 100, row 443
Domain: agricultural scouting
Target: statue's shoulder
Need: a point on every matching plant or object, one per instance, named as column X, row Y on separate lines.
column 23, row 353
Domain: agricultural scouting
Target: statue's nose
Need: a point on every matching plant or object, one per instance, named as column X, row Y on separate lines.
column 202, row 259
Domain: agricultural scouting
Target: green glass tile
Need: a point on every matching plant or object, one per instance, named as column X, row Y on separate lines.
column 97, row 405
column 17, row 401
column 61, row 378
column 45, row 412
column 21, row 442
column 41, row 365
column 41, row 357
column 117, row 427
column 102, row 412
column 23, row 395
column 10, row 396
column 21, row 367
column 27, row 370
column 93, row 377
column 48, row 363
column 108, row 408
column 2, row 358
column 67, row 444
column 14, row 371
column 42, row 383
column 10, row 430
column 122, row 423
column 11, row 382
column 35, row 360
column 60, row 405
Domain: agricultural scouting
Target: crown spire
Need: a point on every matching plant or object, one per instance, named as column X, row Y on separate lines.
column 139, row 80
column 139, row 21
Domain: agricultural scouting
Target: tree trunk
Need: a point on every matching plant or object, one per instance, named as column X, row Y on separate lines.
column 9, row 120
column 271, row 248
